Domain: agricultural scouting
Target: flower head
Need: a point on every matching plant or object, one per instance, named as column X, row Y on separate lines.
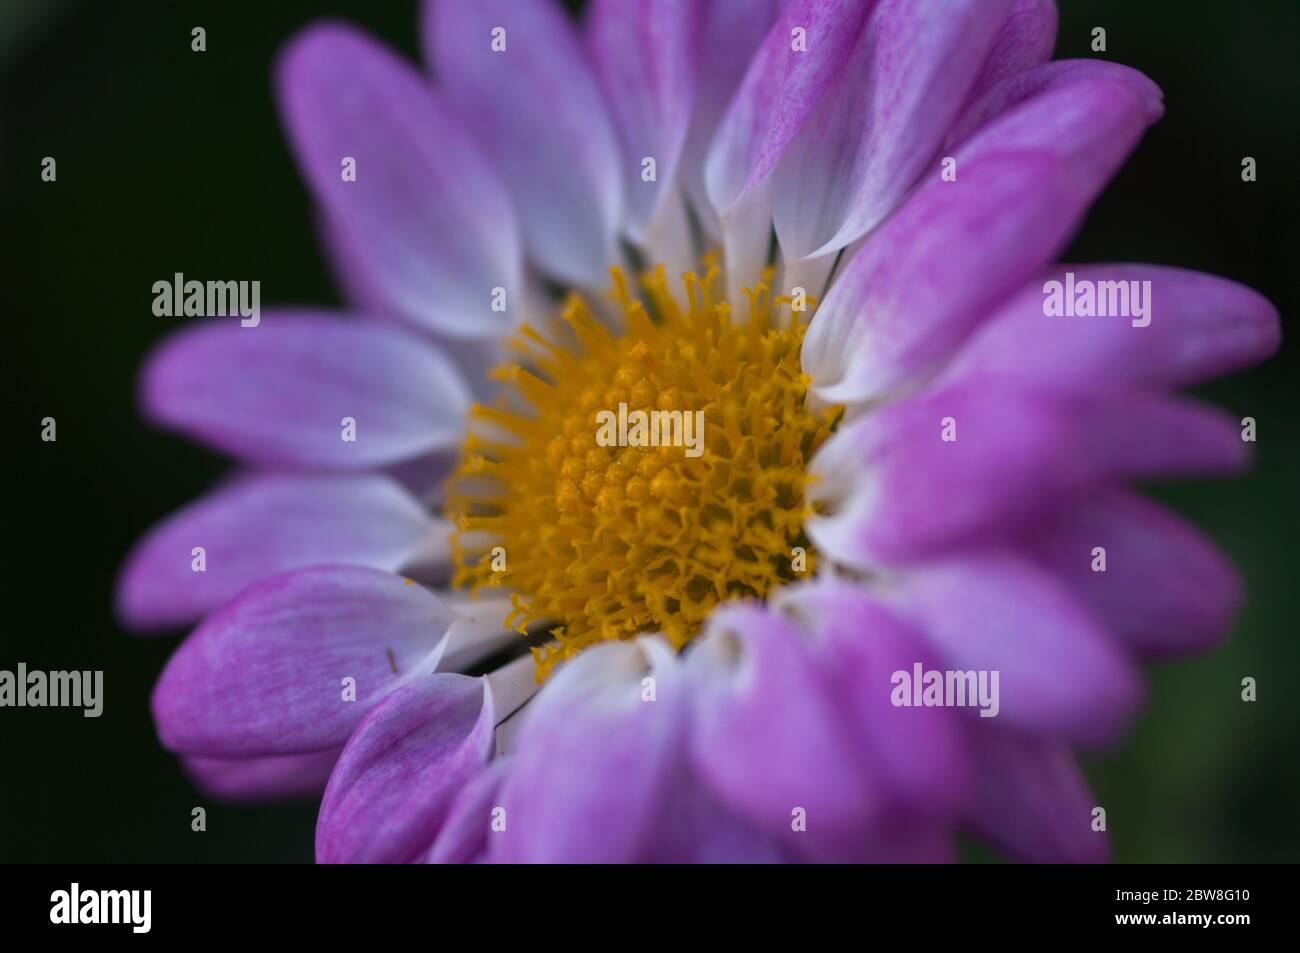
column 874, row 466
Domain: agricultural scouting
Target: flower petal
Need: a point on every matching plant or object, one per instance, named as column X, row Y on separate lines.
column 593, row 757
column 1165, row 588
column 899, row 490
column 646, row 54
column 426, row 215
column 780, row 91
column 1060, row 674
column 463, row 837
column 908, row 299
column 697, row 828
column 1026, row 40
column 876, row 130
column 265, row 674
column 1031, row 801
column 360, row 289
column 263, row 779
column 262, row 524
column 1089, row 113
column 402, row 768
column 1201, row 326
column 731, row 31
column 536, row 110
column 860, row 645
column 278, row 394
column 766, row 735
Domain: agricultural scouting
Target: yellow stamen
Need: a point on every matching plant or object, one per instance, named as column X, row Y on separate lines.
column 606, row 542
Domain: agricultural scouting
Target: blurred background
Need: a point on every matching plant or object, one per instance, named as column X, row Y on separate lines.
column 170, row 160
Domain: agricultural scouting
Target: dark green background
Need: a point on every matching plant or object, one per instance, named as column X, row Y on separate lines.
column 170, row 160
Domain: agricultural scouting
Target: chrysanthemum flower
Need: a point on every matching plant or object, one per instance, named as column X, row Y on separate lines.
column 906, row 459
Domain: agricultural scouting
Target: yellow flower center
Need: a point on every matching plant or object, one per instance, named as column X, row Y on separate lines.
column 607, row 521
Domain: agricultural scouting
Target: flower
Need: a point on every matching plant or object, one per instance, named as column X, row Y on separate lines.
column 910, row 464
